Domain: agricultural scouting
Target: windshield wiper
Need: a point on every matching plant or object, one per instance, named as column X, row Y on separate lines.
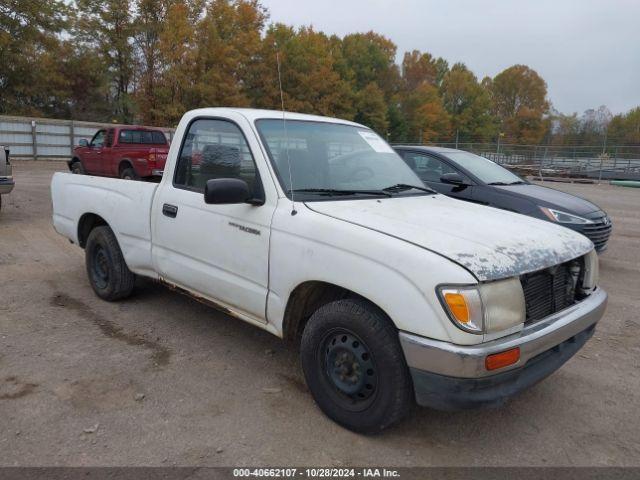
column 517, row 182
column 401, row 187
column 335, row 191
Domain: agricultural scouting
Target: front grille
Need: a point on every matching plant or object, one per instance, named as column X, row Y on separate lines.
column 599, row 231
column 551, row 290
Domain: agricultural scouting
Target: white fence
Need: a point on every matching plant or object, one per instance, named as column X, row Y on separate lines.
column 47, row 138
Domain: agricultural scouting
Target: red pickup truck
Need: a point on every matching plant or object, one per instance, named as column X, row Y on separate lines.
column 128, row 152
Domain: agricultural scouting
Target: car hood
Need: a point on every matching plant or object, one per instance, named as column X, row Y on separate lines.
column 490, row 243
column 549, row 197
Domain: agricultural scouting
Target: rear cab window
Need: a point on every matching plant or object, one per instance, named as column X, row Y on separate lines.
column 142, row 137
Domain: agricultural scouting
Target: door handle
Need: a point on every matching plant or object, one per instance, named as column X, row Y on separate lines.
column 169, row 210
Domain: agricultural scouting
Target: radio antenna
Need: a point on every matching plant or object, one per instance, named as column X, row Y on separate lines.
column 286, row 137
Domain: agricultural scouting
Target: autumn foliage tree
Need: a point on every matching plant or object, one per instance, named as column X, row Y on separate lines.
column 310, row 81
column 468, row 105
column 519, row 97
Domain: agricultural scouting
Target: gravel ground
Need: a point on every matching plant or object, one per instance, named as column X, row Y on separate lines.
column 160, row 379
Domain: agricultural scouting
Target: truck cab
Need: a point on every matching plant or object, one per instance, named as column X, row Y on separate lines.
column 314, row 229
column 127, row 152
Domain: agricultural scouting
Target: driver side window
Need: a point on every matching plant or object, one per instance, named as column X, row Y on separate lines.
column 428, row 168
column 98, row 139
column 215, row 149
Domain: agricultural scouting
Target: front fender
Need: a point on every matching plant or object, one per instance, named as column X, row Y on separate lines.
column 398, row 277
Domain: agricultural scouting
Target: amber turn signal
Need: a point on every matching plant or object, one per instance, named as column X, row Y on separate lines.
column 502, row 359
column 458, row 306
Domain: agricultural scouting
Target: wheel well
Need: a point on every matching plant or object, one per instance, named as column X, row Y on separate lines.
column 305, row 299
column 124, row 164
column 88, row 222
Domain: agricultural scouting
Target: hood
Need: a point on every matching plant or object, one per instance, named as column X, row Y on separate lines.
column 549, row 197
column 490, row 243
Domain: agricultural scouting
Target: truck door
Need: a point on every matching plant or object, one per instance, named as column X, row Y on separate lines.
column 92, row 156
column 218, row 251
column 105, row 164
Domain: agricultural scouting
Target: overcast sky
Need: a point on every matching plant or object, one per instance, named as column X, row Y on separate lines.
column 588, row 51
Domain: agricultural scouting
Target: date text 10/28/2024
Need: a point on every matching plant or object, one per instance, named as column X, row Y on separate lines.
column 316, row 472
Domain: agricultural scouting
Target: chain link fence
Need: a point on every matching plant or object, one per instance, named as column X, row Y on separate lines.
column 620, row 162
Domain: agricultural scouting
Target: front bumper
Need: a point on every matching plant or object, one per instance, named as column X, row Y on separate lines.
column 452, row 377
column 6, row 185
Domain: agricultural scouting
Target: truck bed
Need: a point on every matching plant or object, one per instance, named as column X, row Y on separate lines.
column 124, row 205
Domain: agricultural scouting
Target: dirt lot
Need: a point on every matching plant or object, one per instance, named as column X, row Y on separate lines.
column 161, row 380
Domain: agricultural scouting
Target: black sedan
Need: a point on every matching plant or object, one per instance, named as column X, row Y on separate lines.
column 470, row 177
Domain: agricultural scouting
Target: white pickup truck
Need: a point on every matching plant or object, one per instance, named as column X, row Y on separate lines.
column 313, row 229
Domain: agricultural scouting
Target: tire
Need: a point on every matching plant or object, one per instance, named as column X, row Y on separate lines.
column 77, row 168
column 108, row 273
column 355, row 367
column 129, row 174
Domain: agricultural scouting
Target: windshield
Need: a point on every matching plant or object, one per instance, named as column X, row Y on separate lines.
column 486, row 170
column 331, row 159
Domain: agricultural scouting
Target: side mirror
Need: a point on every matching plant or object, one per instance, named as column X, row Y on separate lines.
column 83, row 142
column 453, row 179
column 222, row 191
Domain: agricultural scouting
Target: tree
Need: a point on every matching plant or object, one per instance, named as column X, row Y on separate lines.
column 175, row 51
column 565, row 129
column 310, row 81
column 468, row 104
column 519, row 101
column 418, row 68
column 367, row 62
column 371, row 109
column 74, row 80
column 227, row 46
column 426, row 118
column 107, row 26
column 27, row 29
column 625, row 128
column 593, row 125
column 370, row 58
column 148, row 24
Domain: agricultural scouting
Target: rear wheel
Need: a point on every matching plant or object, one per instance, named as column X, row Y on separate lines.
column 128, row 174
column 108, row 273
column 354, row 366
column 76, row 167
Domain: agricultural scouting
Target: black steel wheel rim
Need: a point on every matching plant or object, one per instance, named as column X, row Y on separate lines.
column 100, row 267
column 349, row 369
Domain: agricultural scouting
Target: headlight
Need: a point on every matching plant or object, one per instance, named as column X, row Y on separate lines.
column 485, row 308
column 564, row 217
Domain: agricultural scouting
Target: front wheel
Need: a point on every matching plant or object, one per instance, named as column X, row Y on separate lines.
column 355, row 367
column 108, row 273
column 128, row 174
column 77, row 168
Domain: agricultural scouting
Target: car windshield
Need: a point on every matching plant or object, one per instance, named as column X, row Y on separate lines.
column 487, row 171
column 334, row 160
